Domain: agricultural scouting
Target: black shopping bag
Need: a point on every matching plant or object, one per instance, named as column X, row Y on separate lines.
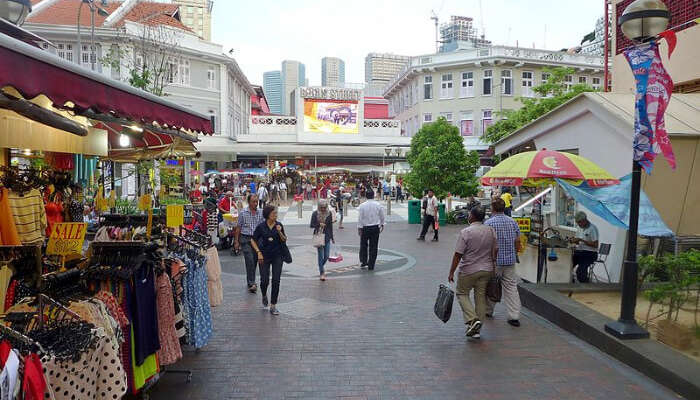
column 494, row 290
column 443, row 303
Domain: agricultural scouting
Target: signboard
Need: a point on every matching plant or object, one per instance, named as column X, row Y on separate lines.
column 324, row 93
column 524, row 224
column 175, row 216
column 330, row 117
column 66, row 238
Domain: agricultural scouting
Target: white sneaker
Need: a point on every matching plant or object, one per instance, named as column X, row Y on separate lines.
column 476, row 336
column 473, row 328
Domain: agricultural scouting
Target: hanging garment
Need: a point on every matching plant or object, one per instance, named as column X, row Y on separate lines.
column 9, row 376
column 5, row 277
column 145, row 371
column 170, row 350
column 10, row 296
column 33, row 383
column 54, row 214
column 29, row 215
column 8, row 230
column 198, row 303
column 214, row 285
column 145, row 313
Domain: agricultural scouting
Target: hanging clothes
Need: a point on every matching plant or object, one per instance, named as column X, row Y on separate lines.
column 8, row 230
column 5, row 277
column 29, row 216
column 198, row 302
column 54, row 215
column 170, row 351
column 214, row 285
column 33, row 383
column 145, row 312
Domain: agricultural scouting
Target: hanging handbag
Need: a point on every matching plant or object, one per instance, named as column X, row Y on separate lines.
column 494, row 290
column 319, row 237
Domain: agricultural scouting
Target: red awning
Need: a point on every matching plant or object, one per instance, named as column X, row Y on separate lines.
column 33, row 72
column 150, row 140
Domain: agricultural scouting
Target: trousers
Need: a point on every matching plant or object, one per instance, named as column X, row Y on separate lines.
column 465, row 284
column 428, row 221
column 584, row 259
column 323, row 253
column 274, row 264
column 369, row 240
column 251, row 260
column 511, row 297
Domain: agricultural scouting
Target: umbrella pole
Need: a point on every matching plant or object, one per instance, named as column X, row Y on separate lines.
column 626, row 326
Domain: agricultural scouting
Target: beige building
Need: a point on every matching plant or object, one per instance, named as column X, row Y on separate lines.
column 382, row 68
column 468, row 87
column 196, row 15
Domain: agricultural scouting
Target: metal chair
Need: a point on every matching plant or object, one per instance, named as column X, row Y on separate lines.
column 603, row 253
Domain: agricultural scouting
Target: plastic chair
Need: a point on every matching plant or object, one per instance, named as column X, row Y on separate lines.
column 603, row 253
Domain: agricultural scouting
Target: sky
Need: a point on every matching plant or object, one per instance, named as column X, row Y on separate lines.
column 263, row 33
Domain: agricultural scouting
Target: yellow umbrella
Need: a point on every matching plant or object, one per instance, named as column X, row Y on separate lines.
column 540, row 168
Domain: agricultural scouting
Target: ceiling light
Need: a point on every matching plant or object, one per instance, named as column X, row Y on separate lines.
column 27, row 152
column 124, row 141
column 135, row 128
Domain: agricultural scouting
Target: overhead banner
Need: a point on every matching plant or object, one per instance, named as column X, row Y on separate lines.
column 321, row 116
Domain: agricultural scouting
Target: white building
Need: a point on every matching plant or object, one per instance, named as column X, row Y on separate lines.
column 293, row 75
column 332, row 72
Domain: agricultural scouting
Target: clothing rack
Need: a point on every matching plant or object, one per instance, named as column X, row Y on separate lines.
column 6, row 330
column 204, row 239
column 35, row 251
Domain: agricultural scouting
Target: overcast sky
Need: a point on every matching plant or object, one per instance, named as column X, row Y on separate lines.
column 265, row 32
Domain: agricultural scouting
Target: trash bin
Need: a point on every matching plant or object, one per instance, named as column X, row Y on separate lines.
column 442, row 215
column 414, row 212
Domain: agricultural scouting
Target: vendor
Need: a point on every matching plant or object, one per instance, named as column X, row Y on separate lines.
column 586, row 251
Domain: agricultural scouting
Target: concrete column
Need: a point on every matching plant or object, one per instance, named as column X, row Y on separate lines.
column 345, row 207
column 388, row 206
column 300, row 208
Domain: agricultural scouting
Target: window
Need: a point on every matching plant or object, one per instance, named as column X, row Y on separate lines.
column 65, row 51
column 183, row 72
column 568, row 81
column 428, row 88
column 527, row 84
column 507, row 82
column 427, row 118
column 170, row 71
column 139, row 63
column 447, row 116
column 85, row 55
column 211, row 78
column 212, row 118
column 446, row 86
column 488, row 77
column 467, row 88
column 545, row 77
column 596, row 83
column 486, row 120
column 466, row 123
column 583, row 79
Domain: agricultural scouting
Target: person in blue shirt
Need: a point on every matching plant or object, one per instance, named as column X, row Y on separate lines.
column 387, row 190
column 252, row 187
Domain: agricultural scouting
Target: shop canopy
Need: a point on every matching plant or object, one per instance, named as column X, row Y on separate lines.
column 33, row 72
column 612, row 203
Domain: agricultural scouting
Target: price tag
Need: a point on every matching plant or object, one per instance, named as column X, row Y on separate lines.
column 175, row 216
column 524, row 224
column 66, row 238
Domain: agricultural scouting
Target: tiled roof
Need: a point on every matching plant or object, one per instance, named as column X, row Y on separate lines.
column 65, row 12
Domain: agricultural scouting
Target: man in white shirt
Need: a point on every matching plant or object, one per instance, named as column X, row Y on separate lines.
column 262, row 195
column 431, row 215
column 586, row 251
column 370, row 223
column 283, row 192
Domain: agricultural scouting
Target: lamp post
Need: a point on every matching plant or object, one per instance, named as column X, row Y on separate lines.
column 641, row 21
column 15, row 11
column 93, row 10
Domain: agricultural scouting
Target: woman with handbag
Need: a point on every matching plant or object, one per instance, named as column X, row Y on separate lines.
column 269, row 241
column 322, row 224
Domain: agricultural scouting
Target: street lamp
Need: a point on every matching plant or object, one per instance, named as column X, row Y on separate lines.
column 15, row 11
column 93, row 9
column 641, row 21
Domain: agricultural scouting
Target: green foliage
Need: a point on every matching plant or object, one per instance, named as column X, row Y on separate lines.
column 126, row 207
column 552, row 94
column 439, row 161
column 452, row 221
column 172, row 200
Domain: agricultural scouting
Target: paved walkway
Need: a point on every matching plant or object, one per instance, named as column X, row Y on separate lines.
column 374, row 336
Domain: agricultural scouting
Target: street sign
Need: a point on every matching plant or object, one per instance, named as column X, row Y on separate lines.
column 524, row 223
column 66, row 238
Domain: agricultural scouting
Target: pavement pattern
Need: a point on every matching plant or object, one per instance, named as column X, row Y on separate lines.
column 374, row 336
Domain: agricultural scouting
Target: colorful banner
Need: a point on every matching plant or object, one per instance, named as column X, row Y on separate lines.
column 330, row 117
column 66, row 238
column 654, row 86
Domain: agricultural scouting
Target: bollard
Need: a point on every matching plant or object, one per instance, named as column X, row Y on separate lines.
column 300, row 208
column 449, row 203
column 388, row 206
column 345, row 207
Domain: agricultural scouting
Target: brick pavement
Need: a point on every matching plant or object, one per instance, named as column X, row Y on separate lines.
column 375, row 337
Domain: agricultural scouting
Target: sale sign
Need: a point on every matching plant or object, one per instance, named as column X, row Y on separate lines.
column 175, row 216
column 66, row 238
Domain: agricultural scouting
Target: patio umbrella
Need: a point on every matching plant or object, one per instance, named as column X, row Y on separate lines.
column 540, row 168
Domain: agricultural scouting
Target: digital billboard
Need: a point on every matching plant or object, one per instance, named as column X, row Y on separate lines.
column 323, row 116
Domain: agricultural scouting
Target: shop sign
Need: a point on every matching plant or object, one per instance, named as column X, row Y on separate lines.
column 524, row 224
column 66, row 238
column 329, row 93
column 175, row 216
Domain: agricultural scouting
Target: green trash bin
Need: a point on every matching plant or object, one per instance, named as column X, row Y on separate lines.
column 442, row 215
column 414, row 212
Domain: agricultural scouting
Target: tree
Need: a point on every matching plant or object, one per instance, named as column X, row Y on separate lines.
column 552, row 94
column 440, row 162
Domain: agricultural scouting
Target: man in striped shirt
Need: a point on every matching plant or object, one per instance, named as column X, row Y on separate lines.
column 248, row 219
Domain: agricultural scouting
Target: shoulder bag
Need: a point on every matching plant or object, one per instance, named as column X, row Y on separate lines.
column 494, row 290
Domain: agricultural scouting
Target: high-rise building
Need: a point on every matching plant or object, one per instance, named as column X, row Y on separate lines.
column 332, row 72
column 382, row 68
column 459, row 34
column 272, row 86
column 293, row 75
column 196, row 15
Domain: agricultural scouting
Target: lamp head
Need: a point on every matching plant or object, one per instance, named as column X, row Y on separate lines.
column 644, row 19
column 15, row 11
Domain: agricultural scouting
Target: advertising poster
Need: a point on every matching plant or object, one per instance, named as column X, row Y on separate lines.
column 323, row 116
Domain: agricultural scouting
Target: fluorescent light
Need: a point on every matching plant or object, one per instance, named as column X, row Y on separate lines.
column 27, row 152
column 135, row 128
column 124, row 140
column 537, row 196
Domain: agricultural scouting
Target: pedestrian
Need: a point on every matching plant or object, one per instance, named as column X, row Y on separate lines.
column 339, row 204
column 508, row 235
column 248, row 219
column 475, row 256
column 399, row 193
column 283, row 191
column 472, row 203
column 322, row 223
column 387, row 190
column 309, row 188
column 263, row 195
column 586, row 251
column 431, row 215
column 274, row 193
column 268, row 242
column 508, row 199
column 370, row 223
column 252, row 187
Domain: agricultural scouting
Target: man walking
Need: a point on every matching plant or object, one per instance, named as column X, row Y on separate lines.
column 370, row 223
column 475, row 255
column 263, row 195
column 508, row 235
column 248, row 219
column 283, row 192
column 431, row 213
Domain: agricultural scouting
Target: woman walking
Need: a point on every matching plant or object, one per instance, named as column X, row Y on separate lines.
column 322, row 223
column 268, row 241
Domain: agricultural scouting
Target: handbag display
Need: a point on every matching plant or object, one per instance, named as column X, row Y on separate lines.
column 494, row 290
column 443, row 303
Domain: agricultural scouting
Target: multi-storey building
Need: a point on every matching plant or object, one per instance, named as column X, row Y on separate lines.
column 332, row 72
column 382, row 68
column 460, row 33
column 272, row 85
column 198, row 74
column 469, row 87
column 293, row 75
column 196, row 15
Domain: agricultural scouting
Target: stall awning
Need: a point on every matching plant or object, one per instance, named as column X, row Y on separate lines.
column 33, row 72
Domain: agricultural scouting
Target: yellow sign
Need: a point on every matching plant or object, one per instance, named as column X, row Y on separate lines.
column 523, row 224
column 145, row 202
column 66, row 238
column 175, row 216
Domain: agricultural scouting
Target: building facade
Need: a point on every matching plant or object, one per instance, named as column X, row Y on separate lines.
column 293, row 75
column 469, row 87
column 272, row 85
column 332, row 72
column 196, row 15
column 382, row 68
column 258, row 102
column 460, row 33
